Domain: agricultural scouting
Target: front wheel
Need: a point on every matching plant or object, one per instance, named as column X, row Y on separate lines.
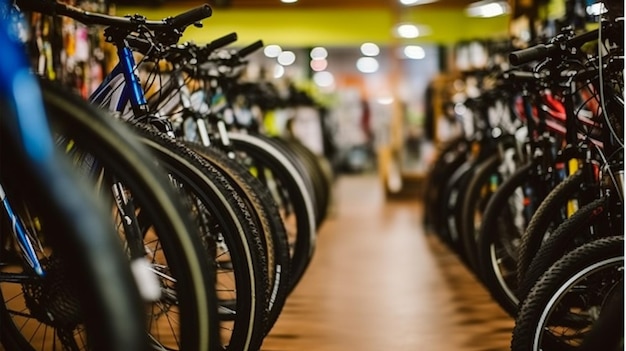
column 570, row 298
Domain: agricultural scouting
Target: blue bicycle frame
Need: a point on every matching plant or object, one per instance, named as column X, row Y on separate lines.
column 19, row 88
column 121, row 87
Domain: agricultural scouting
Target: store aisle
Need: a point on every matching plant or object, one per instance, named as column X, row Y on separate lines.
column 377, row 283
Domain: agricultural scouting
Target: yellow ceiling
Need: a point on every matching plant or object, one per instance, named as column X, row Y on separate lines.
column 332, row 27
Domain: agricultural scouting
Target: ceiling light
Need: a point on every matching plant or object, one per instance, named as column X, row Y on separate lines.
column 414, row 52
column 370, row 49
column 288, row 1
column 410, row 30
column 272, row 51
column 407, row 31
column 487, row 8
column 286, row 58
column 367, row 64
column 416, row 2
column 319, row 53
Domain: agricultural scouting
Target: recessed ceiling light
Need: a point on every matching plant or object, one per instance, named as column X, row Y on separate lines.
column 272, row 50
column 286, row 58
column 408, row 31
column 414, row 52
column 367, row 64
column 416, row 2
column 370, row 49
column 487, row 9
column 319, row 53
column 288, row 1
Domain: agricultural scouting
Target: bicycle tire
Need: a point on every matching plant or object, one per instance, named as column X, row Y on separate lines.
column 497, row 239
column 261, row 203
column 245, row 248
column 301, row 166
column 116, row 148
column 453, row 198
column 293, row 197
column 542, row 218
column 474, row 202
column 561, row 241
column 451, row 157
column 78, row 230
column 530, row 329
column 321, row 180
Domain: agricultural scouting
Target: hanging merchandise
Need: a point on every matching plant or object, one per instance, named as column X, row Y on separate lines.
column 66, row 50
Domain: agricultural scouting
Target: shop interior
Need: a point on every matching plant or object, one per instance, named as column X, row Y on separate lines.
column 433, row 138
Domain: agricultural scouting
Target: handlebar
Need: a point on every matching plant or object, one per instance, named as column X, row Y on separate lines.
column 522, row 76
column 543, row 51
column 190, row 17
column 532, row 53
column 177, row 22
column 220, row 42
column 250, row 48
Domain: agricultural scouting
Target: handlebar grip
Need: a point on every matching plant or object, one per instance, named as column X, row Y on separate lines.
column 190, row 17
column 532, row 53
column 541, row 51
column 250, row 48
column 521, row 76
column 221, row 42
column 581, row 39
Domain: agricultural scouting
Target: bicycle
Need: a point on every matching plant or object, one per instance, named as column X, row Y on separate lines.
column 61, row 233
column 229, row 235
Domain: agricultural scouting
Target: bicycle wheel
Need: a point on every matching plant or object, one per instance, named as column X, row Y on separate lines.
column 228, row 232
column 573, row 232
column 545, row 217
column 567, row 301
column 288, row 189
column 321, row 179
column 184, row 317
column 86, row 296
column 451, row 157
column 453, row 198
column 267, row 217
column 479, row 189
column 504, row 222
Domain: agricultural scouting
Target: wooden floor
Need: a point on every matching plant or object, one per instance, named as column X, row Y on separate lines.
column 378, row 282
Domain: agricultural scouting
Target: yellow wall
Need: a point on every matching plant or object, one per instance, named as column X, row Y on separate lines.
column 291, row 27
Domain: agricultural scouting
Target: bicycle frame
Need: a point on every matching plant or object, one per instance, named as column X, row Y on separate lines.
column 121, row 87
column 29, row 123
column 121, row 92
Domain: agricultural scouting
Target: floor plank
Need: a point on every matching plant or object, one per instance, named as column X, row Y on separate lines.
column 378, row 282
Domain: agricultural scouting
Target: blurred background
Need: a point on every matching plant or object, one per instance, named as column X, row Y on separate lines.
column 371, row 84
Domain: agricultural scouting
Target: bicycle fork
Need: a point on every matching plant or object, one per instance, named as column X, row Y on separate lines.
column 143, row 272
column 22, row 236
